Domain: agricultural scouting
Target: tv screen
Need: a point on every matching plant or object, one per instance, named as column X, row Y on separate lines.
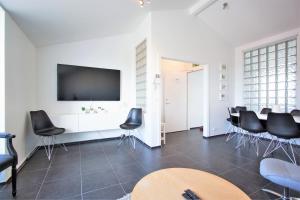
column 77, row 83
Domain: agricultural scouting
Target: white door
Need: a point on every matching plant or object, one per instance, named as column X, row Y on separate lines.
column 195, row 99
column 175, row 100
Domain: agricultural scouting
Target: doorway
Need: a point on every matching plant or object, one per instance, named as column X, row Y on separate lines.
column 182, row 99
column 195, row 100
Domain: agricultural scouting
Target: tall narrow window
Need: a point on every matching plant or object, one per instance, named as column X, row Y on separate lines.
column 270, row 76
column 141, row 74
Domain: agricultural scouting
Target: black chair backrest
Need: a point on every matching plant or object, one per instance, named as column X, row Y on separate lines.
column 282, row 125
column 233, row 120
column 295, row 112
column 240, row 108
column 134, row 116
column 250, row 122
column 40, row 120
column 265, row 111
column 233, row 110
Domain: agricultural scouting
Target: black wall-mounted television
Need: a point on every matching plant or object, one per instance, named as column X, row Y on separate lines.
column 78, row 83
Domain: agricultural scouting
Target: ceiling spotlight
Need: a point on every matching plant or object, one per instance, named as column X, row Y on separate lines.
column 142, row 2
column 225, row 6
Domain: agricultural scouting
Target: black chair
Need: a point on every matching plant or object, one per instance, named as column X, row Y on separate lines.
column 233, row 110
column 265, row 111
column 10, row 159
column 283, row 129
column 250, row 123
column 133, row 121
column 233, row 128
column 295, row 112
column 240, row 108
column 47, row 132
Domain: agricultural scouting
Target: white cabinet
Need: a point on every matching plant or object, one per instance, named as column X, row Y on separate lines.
column 82, row 122
column 67, row 121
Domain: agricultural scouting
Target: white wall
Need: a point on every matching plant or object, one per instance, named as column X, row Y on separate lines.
column 20, row 87
column 112, row 52
column 116, row 52
column 177, row 35
column 239, row 67
column 2, row 83
column 2, row 76
column 147, row 134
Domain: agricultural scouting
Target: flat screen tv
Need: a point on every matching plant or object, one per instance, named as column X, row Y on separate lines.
column 78, row 83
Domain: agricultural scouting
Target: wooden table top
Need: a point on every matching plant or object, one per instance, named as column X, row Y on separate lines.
column 169, row 184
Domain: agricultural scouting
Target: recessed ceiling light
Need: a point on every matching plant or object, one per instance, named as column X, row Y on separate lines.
column 225, row 6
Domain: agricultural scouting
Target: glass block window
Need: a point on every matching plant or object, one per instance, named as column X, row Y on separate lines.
column 141, row 74
column 270, row 76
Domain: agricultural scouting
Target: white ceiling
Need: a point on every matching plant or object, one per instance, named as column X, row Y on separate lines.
column 249, row 20
column 56, row 21
column 48, row 22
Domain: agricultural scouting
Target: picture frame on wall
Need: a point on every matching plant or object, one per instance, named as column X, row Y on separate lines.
column 222, row 82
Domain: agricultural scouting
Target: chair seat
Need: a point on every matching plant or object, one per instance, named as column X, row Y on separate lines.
column 281, row 172
column 128, row 126
column 50, row 131
column 5, row 161
column 256, row 131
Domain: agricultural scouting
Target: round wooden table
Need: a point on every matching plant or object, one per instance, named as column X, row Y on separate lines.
column 170, row 183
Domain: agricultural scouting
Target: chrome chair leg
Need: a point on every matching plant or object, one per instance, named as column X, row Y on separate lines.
column 279, row 145
column 268, row 147
column 273, row 193
column 130, row 138
column 241, row 141
column 122, row 139
column 284, row 196
column 232, row 132
column 48, row 145
column 63, row 146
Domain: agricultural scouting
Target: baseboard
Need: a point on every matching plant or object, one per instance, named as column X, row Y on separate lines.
column 146, row 145
column 207, row 137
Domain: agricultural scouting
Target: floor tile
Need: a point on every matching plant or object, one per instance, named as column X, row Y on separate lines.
column 120, row 159
column 26, row 178
column 131, row 172
column 128, row 186
column 60, row 189
column 95, row 164
column 68, row 159
column 28, row 192
column 62, row 172
column 108, row 171
column 98, row 180
column 34, row 165
column 113, row 192
column 249, row 182
column 91, row 148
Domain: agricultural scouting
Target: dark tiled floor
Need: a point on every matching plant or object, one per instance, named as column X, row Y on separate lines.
column 102, row 170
